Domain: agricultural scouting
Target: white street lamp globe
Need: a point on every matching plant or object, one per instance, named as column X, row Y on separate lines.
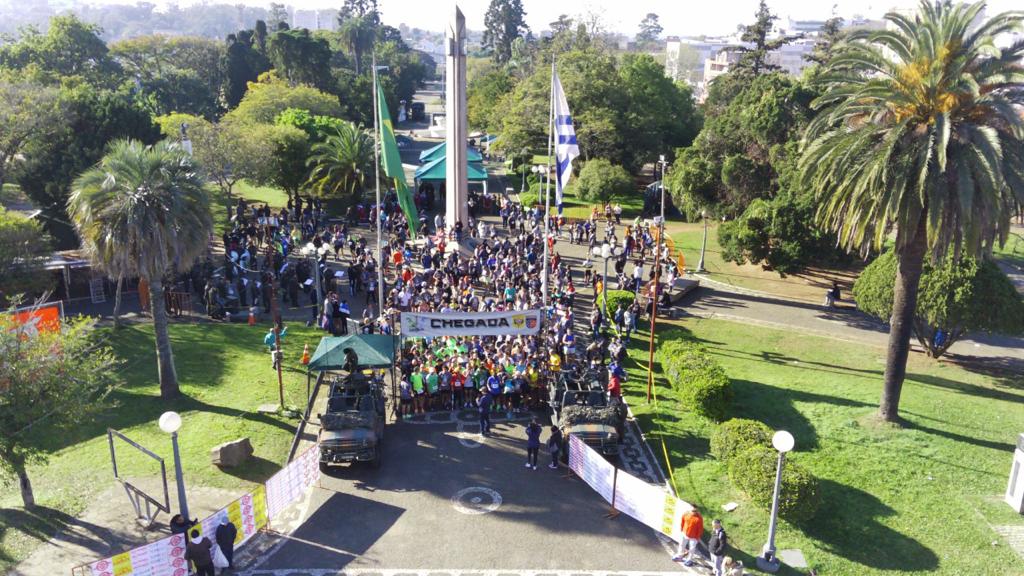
column 596, row 252
column 606, row 251
column 783, row 441
column 170, row 422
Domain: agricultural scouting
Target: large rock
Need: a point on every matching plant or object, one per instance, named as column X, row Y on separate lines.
column 231, row 454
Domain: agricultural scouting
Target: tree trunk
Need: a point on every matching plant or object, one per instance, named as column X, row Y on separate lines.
column 908, row 278
column 28, row 498
column 164, row 357
column 117, row 302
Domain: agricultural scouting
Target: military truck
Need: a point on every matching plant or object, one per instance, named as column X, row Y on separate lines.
column 581, row 406
column 352, row 428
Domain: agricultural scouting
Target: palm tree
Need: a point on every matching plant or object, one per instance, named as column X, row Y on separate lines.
column 920, row 133
column 341, row 162
column 358, row 33
column 141, row 211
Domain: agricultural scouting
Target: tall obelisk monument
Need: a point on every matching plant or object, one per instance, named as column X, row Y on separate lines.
column 456, row 188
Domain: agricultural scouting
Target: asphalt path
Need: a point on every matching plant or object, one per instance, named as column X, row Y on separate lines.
column 434, row 505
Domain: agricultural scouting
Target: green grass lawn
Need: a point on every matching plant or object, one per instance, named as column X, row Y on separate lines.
column 894, row 501
column 1013, row 250
column 577, row 209
column 221, row 203
column 225, row 374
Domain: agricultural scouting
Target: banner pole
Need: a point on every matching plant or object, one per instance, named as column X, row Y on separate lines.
column 613, row 513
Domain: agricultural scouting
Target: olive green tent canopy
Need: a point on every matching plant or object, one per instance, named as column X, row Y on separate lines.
column 373, row 350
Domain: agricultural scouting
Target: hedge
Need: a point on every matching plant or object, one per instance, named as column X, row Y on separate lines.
column 737, row 435
column 753, row 472
column 616, row 296
column 699, row 381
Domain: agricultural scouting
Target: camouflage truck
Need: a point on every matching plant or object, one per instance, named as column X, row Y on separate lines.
column 352, row 429
column 581, row 406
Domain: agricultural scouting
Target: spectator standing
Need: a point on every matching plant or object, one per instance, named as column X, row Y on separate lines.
column 197, row 551
column 225, row 537
column 533, row 431
column 554, row 446
column 693, row 528
column 717, row 546
column 484, row 403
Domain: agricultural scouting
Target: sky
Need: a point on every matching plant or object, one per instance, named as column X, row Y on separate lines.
column 678, row 17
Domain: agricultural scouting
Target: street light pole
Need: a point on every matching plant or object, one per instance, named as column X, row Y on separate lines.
column 767, row 561
column 661, row 184
column 522, row 169
column 170, row 422
column 704, row 242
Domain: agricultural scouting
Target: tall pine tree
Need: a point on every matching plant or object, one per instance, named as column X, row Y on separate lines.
column 504, row 21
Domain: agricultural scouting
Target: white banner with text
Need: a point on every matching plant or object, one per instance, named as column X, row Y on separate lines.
column 649, row 504
column 516, row 323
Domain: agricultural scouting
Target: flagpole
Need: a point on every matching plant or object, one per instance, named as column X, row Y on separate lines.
column 376, row 169
column 547, row 187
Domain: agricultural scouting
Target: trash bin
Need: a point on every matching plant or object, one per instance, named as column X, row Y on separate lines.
column 1015, row 490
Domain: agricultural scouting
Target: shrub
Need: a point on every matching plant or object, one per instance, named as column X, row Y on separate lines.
column 753, row 472
column 700, row 382
column 737, row 435
column 615, row 296
column 600, row 180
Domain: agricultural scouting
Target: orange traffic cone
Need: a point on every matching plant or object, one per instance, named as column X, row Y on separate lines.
column 305, row 354
column 252, row 317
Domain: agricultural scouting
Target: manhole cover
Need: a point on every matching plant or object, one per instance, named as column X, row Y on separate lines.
column 476, row 500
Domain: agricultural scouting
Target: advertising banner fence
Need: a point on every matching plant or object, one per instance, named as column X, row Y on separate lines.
column 649, row 504
column 516, row 323
column 249, row 514
column 586, row 463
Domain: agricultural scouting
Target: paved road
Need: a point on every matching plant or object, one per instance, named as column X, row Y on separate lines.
column 716, row 300
column 446, row 500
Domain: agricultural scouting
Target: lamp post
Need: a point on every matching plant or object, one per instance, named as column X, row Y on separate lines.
column 539, row 170
column 170, row 422
column 522, row 183
column 767, row 561
column 311, row 252
column 606, row 252
column 704, row 243
column 661, row 184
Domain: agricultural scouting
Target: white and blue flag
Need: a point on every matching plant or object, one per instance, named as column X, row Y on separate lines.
column 566, row 148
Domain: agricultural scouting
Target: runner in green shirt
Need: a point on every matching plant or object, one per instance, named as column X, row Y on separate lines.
column 417, row 388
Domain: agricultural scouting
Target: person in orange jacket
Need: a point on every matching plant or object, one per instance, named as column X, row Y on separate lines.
column 693, row 528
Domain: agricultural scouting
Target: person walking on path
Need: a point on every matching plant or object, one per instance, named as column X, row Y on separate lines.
column 717, row 546
column 533, row 431
column 225, row 537
column 484, row 403
column 693, row 528
column 554, row 446
column 197, row 551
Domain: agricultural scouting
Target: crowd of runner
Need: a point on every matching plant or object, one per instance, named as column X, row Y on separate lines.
column 266, row 251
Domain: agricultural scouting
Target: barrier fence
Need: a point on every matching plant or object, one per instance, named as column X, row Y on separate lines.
column 250, row 514
column 648, row 504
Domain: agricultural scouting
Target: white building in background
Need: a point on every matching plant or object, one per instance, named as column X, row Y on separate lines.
column 315, row 19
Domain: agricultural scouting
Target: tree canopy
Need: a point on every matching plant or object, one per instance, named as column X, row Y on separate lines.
column 957, row 297
column 919, row 132
column 43, row 393
column 504, row 21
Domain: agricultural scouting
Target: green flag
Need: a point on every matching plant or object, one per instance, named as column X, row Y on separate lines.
column 391, row 161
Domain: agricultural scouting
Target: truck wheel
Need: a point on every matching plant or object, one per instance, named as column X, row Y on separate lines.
column 324, row 468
